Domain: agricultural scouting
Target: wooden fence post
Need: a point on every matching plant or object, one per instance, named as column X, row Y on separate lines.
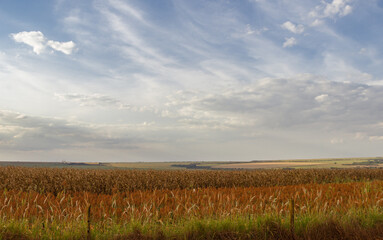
column 292, row 228
column 88, row 221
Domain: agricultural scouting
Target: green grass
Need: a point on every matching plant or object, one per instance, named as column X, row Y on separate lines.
column 243, row 227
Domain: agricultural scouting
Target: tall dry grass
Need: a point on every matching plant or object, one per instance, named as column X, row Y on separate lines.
column 171, row 205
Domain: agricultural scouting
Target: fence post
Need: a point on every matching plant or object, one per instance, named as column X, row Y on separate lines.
column 88, row 221
column 292, row 228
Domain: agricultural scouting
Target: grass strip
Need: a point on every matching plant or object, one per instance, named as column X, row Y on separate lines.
column 355, row 224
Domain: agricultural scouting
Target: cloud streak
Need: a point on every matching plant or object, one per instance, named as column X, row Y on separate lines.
column 93, row 100
column 28, row 133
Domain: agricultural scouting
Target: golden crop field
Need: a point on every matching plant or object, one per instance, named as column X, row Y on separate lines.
column 170, row 205
column 133, row 204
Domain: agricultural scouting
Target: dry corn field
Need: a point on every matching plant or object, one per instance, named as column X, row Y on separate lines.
column 165, row 197
column 110, row 181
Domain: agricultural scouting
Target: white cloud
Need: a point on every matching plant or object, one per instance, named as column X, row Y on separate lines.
column 289, row 42
column 38, row 42
column 64, row 47
column 347, row 10
column 249, row 29
column 298, row 29
column 35, row 39
column 337, row 8
column 321, row 98
column 316, row 23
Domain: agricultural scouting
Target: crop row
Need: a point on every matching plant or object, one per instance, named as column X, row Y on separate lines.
column 45, row 180
column 169, row 205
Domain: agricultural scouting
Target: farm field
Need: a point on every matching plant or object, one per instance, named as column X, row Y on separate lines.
column 375, row 162
column 46, row 203
column 372, row 162
column 306, row 163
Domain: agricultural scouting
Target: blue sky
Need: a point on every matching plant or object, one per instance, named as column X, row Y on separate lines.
column 117, row 80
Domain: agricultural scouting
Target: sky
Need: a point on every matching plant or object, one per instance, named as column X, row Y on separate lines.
column 147, row 80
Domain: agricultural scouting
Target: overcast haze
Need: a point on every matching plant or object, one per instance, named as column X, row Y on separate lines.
column 114, row 80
